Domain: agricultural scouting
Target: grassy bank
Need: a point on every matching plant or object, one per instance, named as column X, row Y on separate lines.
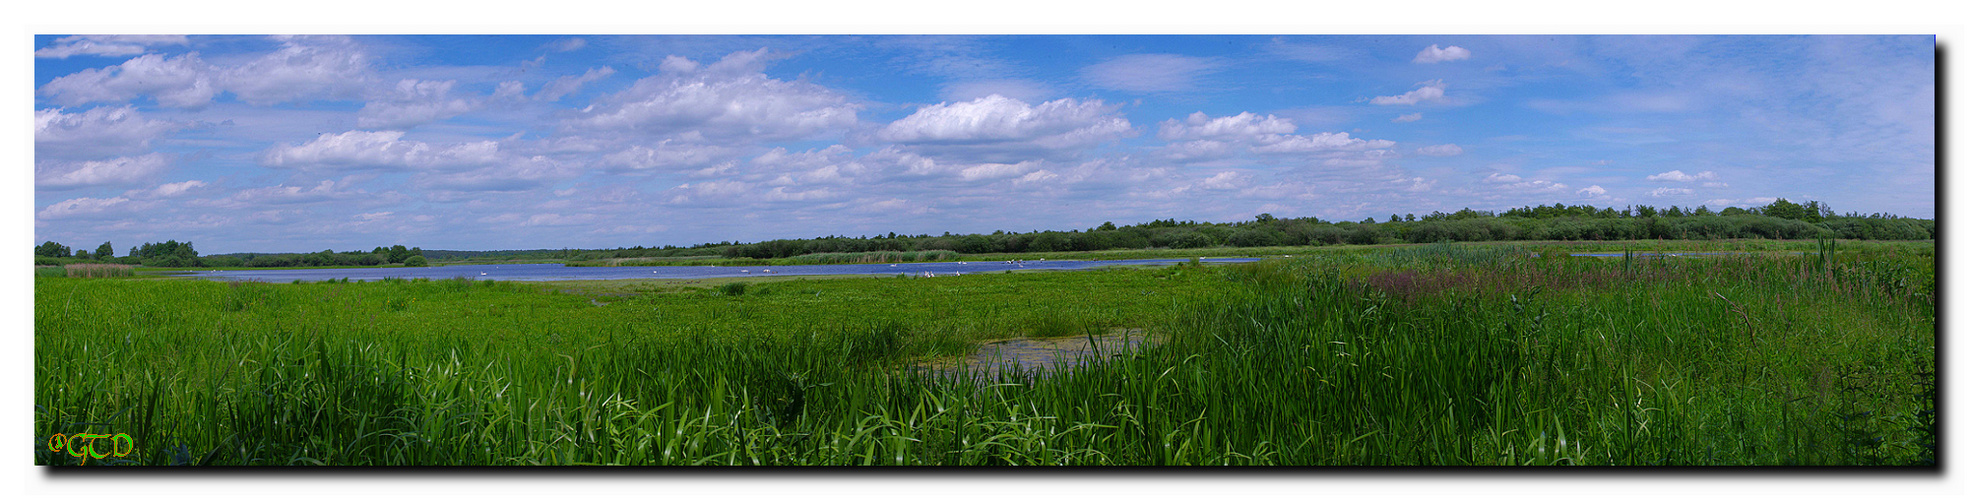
column 1415, row 355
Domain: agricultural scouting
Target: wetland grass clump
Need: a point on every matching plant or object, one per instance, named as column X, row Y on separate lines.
column 1426, row 358
column 99, row 270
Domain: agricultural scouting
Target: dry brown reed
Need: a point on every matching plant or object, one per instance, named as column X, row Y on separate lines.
column 99, row 270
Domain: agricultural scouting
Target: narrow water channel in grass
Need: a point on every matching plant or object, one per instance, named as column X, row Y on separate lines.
column 557, row 272
column 1041, row 354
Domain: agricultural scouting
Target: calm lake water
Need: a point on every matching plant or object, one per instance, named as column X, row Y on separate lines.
column 557, row 272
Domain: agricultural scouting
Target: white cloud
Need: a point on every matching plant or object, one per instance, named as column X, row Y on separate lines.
column 304, row 68
column 1197, row 150
column 1592, row 191
column 184, row 81
column 359, row 149
column 1671, row 192
column 106, row 45
column 990, row 171
column 1323, row 141
column 1746, row 202
column 412, row 103
column 1150, row 72
column 98, row 132
column 1715, row 184
column 1511, row 182
column 114, row 171
column 1678, row 176
column 731, row 98
column 1434, row 54
column 83, row 207
column 1225, row 180
column 1407, row 118
column 708, row 192
column 1430, row 91
column 995, row 127
column 178, row 188
column 565, row 85
column 1440, row 150
column 323, row 191
column 569, row 45
column 509, row 173
column 1241, row 125
column 664, row 155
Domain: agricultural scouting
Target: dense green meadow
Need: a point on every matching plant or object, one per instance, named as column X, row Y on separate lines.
column 1412, row 355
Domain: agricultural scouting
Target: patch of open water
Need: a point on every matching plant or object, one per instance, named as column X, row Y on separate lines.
column 557, row 272
column 1042, row 354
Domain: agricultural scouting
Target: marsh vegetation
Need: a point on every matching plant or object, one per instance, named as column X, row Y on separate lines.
column 1418, row 355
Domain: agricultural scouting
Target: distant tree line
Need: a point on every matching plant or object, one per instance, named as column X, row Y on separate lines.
column 1781, row 219
column 172, row 253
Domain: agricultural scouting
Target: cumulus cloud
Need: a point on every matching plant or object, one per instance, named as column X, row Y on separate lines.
column 1511, row 182
column 1434, row 54
column 1150, row 72
column 106, row 45
column 1430, row 91
column 1668, row 192
column 414, row 102
column 361, row 149
column 1678, row 176
column 731, row 98
column 184, row 81
column 84, row 207
column 663, row 155
column 1223, row 181
column 1241, row 125
column 1592, row 191
column 1440, row 150
column 102, row 131
column 990, row 171
column 177, row 188
column 996, row 127
column 1407, row 118
column 303, row 68
column 114, row 171
column 1320, row 142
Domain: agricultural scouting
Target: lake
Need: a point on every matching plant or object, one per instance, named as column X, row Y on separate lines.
column 557, row 272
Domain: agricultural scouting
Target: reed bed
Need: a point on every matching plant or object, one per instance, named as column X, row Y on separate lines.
column 1442, row 355
column 99, row 270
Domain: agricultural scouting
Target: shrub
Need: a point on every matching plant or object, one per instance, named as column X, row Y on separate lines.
column 416, row 261
column 732, row 289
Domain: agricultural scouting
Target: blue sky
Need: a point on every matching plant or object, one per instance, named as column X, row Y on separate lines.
column 253, row 143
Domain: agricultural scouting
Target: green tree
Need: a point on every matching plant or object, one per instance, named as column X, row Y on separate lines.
column 105, row 251
column 398, row 253
column 51, row 249
column 416, row 261
column 1785, row 209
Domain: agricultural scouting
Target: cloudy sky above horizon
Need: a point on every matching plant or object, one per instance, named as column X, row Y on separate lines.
column 295, row 144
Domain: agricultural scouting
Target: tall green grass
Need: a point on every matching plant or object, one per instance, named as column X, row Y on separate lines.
column 1440, row 355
